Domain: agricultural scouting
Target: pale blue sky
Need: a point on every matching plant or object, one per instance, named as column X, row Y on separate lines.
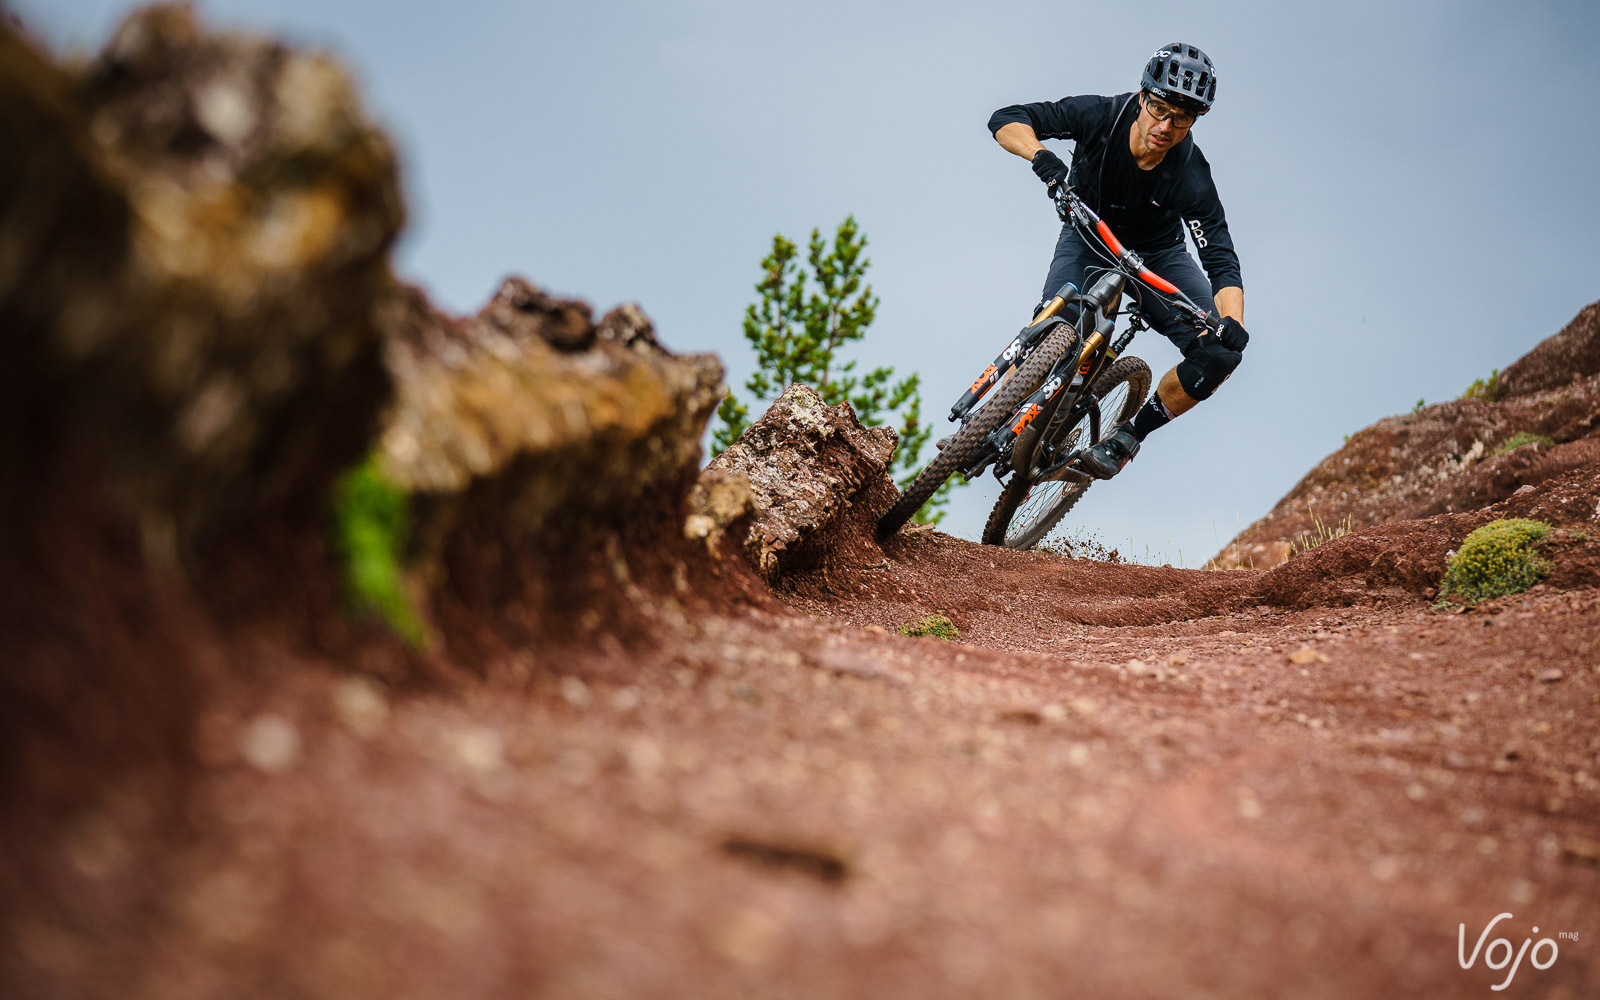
column 1410, row 187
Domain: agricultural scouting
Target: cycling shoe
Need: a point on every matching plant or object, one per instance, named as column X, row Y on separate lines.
column 1107, row 458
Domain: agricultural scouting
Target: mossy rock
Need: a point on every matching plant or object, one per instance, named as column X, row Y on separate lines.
column 1497, row 559
column 938, row 626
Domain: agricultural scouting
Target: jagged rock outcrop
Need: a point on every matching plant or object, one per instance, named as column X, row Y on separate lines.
column 533, row 414
column 807, row 462
column 1448, row 457
column 193, row 252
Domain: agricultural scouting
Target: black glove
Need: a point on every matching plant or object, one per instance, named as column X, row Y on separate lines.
column 1049, row 167
column 1232, row 335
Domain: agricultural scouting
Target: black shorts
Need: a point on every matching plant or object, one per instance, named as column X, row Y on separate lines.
column 1075, row 262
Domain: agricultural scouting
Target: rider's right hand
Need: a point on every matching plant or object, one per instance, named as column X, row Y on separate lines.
column 1232, row 334
column 1049, row 167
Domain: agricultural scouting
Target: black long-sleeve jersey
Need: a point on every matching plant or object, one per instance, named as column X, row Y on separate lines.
column 1147, row 209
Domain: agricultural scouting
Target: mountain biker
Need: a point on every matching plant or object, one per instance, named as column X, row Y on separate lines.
column 1137, row 165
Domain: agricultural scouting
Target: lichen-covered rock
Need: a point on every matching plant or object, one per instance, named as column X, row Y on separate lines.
column 539, row 414
column 228, row 355
column 806, row 462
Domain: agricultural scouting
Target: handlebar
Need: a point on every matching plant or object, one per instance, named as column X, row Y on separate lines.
column 1072, row 209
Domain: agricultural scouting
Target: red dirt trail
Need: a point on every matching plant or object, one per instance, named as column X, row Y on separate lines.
column 1121, row 781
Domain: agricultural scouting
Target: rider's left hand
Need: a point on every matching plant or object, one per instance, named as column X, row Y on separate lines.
column 1232, row 335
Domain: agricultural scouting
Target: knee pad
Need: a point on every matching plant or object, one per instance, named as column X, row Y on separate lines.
column 1205, row 367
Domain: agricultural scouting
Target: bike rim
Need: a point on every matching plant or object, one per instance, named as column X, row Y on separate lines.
column 1045, row 499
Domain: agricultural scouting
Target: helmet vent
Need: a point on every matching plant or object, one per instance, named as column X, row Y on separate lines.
column 1200, row 87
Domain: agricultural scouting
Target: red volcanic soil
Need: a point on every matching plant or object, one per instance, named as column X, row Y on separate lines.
column 1120, row 781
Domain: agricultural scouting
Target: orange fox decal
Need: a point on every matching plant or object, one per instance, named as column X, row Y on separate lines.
column 1026, row 419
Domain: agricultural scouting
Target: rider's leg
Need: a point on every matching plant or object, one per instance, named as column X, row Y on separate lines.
column 1206, row 364
column 1072, row 258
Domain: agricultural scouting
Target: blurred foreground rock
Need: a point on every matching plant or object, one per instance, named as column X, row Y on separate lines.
column 807, row 462
column 191, row 257
column 533, row 416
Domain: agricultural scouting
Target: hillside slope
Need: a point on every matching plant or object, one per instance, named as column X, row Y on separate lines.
column 1538, row 419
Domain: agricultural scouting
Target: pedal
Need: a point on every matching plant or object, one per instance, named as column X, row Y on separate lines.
column 1066, row 472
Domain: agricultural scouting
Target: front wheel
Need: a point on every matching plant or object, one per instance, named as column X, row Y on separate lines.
column 967, row 443
column 1027, row 509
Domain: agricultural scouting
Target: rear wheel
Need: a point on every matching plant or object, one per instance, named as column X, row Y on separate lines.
column 1028, row 510
column 965, row 445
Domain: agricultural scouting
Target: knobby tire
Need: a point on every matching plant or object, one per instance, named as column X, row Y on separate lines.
column 965, row 444
column 1131, row 370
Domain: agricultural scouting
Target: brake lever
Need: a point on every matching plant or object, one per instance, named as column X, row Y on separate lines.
column 1059, row 192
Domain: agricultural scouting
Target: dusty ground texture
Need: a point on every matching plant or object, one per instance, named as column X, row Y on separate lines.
column 1121, row 781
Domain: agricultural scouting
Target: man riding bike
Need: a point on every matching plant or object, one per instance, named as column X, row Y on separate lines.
column 1137, row 164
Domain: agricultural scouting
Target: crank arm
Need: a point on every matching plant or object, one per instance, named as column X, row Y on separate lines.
column 1064, row 472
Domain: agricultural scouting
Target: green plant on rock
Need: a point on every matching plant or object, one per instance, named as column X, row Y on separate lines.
column 1485, row 389
column 1521, row 438
column 1499, row 558
column 1420, row 404
column 798, row 329
column 371, row 524
column 937, row 625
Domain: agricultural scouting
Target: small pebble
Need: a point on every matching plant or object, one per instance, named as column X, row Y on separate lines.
column 270, row 743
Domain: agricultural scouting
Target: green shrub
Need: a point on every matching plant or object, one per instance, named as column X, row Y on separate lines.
column 1486, row 389
column 371, row 523
column 1420, row 404
column 1521, row 438
column 936, row 625
column 1497, row 559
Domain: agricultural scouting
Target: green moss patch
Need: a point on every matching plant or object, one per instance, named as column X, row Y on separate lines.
column 1497, row 559
column 371, row 525
column 1519, row 439
column 936, row 625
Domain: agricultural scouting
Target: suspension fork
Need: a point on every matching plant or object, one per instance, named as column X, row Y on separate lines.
column 1047, row 319
column 1038, row 411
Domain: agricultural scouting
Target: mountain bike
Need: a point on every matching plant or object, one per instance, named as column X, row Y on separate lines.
column 1057, row 389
